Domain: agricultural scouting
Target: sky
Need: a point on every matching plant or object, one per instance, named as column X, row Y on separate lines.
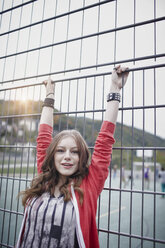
column 122, row 45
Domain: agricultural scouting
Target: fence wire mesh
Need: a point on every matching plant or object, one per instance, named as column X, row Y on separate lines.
column 78, row 43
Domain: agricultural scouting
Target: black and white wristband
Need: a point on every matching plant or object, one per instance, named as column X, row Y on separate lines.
column 49, row 102
column 113, row 97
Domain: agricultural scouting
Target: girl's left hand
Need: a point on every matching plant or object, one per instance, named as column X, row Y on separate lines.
column 119, row 77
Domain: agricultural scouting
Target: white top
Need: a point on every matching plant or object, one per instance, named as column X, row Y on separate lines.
column 50, row 222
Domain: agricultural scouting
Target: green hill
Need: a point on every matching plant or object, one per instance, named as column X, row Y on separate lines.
column 90, row 129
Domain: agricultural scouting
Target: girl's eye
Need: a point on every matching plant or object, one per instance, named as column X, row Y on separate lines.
column 59, row 150
column 75, row 152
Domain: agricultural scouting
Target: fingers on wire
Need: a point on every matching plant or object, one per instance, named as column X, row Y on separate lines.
column 45, row 82
column 118, row 69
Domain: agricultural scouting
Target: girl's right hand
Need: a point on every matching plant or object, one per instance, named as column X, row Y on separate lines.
column 50, row 87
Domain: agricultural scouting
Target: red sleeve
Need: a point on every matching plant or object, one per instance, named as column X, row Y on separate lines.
column 98, row 170
column 43, row 141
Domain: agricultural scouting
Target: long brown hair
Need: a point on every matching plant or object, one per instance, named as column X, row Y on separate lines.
column 47, row 180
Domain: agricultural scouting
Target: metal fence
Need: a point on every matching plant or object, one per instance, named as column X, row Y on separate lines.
column 78, row 43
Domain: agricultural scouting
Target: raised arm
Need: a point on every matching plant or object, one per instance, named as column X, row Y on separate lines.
column 47, row 111
column 118, row 80
column 46, row 124
column 103, row 146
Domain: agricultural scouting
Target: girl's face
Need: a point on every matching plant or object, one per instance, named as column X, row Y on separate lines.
column 66, row 157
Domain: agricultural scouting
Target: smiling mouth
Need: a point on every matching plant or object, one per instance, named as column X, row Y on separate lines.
column 67, row 165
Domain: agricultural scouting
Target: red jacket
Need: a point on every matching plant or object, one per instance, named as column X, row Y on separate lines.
column 92, row 184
